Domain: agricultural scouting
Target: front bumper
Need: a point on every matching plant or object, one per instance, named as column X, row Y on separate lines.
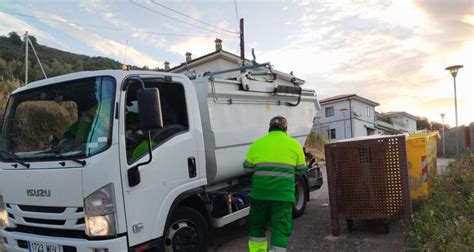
column 16, row 241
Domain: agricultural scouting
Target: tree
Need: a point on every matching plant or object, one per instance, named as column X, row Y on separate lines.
column 386, row 118
column 14, row 38
column 423, row 123
column 33, row 40
column 5, row 72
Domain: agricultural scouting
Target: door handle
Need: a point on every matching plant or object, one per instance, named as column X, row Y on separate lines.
column 192, row 167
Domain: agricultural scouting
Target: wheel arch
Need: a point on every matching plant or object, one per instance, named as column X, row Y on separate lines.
column 193, row 198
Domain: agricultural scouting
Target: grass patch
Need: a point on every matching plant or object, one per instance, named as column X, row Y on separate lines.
column 445, row 221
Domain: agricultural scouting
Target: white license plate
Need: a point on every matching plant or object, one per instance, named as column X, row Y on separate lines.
column 43, row 247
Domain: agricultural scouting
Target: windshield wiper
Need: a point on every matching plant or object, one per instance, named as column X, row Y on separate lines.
column 82, row 162
column 15, row 158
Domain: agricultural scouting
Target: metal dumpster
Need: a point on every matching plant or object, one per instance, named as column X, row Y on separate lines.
column 368, row 179
column 421, row 155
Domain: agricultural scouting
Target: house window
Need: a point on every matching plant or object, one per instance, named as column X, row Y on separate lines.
column 407, row 123
column 329, row 111
column 332, row 133
column 368, row 111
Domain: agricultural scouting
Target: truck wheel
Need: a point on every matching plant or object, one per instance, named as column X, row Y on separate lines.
column 350, row 224
column 301, row 196
column 187, row 231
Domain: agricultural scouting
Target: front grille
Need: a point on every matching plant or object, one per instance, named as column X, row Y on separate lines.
column 44, row 218
column 50, row 232
column 42, row 209
column 45, row 221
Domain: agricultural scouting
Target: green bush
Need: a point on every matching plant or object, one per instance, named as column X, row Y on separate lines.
column 445, row 221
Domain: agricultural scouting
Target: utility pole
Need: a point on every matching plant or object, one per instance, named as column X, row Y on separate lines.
column 125, row 54
column 242, row 45
column 26, row 39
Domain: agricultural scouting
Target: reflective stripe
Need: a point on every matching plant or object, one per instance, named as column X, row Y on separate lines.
column 247, row 164
column 273, row 174
column 258, row 239
column 277, row 165
column 249, row 170
column 299, row 167
column 278, row 249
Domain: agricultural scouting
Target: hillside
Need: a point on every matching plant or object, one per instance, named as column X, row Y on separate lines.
column 55, row 62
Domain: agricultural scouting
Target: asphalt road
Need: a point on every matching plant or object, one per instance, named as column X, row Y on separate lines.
column 312, row 231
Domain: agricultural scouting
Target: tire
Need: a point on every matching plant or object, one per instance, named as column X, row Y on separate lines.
column 187, row 231
column 386, row 226
column 301, row 196
column 350, row 225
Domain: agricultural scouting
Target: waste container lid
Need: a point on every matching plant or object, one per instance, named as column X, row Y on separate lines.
column 367, row 138
column 423, row 134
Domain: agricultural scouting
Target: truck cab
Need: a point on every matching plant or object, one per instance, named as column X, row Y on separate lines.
column 80, row 172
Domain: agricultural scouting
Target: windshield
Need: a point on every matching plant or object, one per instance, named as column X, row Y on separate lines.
column 69, row 119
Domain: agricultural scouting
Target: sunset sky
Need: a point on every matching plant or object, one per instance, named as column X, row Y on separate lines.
column 392, row 52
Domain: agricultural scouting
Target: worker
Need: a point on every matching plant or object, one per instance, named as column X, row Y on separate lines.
column 273, row 161
column 93, row 120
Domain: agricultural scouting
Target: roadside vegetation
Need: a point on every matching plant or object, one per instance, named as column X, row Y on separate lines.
column 315, row 145
column 445, row 221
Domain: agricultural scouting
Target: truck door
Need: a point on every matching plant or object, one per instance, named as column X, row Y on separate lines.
column 173, row 168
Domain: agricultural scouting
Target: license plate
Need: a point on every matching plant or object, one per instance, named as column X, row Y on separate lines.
column 43, row 247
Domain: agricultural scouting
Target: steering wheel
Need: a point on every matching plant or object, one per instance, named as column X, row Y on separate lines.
column 176, row 127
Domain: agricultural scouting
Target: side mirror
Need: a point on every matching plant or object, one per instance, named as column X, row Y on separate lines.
column 149, row 108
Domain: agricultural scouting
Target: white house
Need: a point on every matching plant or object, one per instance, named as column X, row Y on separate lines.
column 222, row 60
column 395, row 122
column 345, row 116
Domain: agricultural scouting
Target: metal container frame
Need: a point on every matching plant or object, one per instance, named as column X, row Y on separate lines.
column 368, row 179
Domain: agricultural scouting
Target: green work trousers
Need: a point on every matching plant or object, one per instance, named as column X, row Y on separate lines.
column 265, row 214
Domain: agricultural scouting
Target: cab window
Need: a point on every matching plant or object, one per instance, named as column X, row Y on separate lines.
column 174, row 113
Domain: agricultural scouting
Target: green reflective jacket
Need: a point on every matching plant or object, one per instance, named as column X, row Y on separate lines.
column 273, row 161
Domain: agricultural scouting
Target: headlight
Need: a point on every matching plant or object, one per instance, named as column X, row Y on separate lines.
column 100, row 212
column 3, row 214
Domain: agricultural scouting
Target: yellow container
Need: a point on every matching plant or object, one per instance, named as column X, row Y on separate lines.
column 421, row 156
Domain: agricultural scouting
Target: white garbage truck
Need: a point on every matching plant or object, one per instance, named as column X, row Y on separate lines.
column 120, row 160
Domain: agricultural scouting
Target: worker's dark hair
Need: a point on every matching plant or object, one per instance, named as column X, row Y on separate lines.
column 278, row 123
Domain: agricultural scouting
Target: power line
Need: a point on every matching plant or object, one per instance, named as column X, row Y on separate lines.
column 175, row 19
column 236, row 13
column 237, row 17
column 108, row 27
column 195, row 19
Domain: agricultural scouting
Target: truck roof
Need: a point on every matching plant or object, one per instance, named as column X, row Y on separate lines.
column 118, row 73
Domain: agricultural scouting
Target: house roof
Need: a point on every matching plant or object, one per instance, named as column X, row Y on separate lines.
column 401, row 113
column 196, row 61
column 222, row 54
column 346, row 97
